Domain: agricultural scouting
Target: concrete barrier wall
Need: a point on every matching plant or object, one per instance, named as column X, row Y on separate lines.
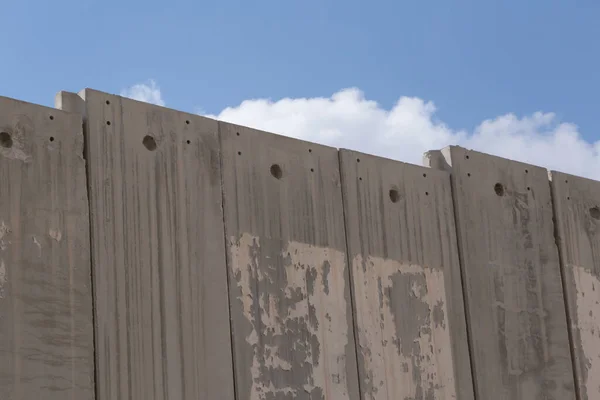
column 221, row 262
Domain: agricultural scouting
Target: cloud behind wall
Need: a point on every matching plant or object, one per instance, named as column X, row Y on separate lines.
column 349, row 120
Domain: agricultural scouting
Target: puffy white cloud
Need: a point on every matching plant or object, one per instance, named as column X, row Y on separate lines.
column 348, row 120
column 147, row 92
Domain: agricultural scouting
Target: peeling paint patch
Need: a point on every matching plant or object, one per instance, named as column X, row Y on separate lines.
column 588, row 321
column 55, row 234
column 293, row 304
column 4, row 231
column 403, row 335
column 2, row 278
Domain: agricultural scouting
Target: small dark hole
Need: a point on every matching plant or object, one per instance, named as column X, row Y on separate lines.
column 276, row 171
column 528, row 188
column 187, row 122
column 312, row 170
column 566, row 181
column 5, row 140
column 468, row 174
column 499, row 189
column 595, row 212
column 526, row 171
column 107, row 122
column 360, row 179
column 467, row 157
column 358, row 160
column 424, row 175
column 568, row 198
column 238, row 133
column 52, row 138
column 426, row 193
column 188, row 142
column 52, row 118
column 149, row 143
column 394, row 196
column 107, row 102
column 239, row 153
column 310, row 150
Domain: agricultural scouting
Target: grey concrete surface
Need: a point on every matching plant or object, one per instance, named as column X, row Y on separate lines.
column 577, row 212
column 409, row 308
column 160, row 280
column 46, row 333
column 288, row 276
column 510, row 265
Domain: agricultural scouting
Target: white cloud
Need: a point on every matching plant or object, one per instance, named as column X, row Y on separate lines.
column 347, row 119
column 147, row 92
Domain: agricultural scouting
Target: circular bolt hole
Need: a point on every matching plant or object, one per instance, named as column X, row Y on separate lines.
column 424, row 175
column 237, row 133
column 107, row 122
column 107, row 102
column 526, row 171
column 52, row 118
column 276, row 171
column 595, row 212
column 426, row 193
column 528, row 188
column 358, row 160
column 360, row 179
column 149, row 143
column 310, row 150
column 188, row 141
column 394, row 196
column 568, row 198
column 467, row 157
column 499, row 189
column 239, row 153
column 187, row 121
column 468, row 174
column 5, row 140
column 52, row 138
column 566, row 181
column 312, row 170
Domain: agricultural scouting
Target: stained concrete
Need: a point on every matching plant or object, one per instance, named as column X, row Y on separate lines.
column 407, row 292
column 46, row 335
column 577, row 212
column 161, row 304
column 510, row 264
column 288, row 271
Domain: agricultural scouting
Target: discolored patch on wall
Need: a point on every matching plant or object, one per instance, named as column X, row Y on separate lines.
column 289, row 319
column 402, row 331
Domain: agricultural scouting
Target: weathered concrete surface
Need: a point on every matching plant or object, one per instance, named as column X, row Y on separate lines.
column 510, row 265
column 46, row 334
column 406, row 278
column 160, row 280
column 288, row 276
column 577, row 213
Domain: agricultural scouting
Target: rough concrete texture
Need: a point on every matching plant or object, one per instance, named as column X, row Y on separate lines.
column 407, row 292
column 288, row 276
column 46, row 335
column 160, row 280
column 577, row 211
column 518, row 330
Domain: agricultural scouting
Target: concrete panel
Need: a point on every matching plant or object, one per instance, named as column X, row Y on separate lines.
column 577, row 213
column 511, row 274
column 160, row 280
column 288, row 277
column 405, row 272
column 46, row 331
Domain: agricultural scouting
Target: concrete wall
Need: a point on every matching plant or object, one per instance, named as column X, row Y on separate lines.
column 170, row 256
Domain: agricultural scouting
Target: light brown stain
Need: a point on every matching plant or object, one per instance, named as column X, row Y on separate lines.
column 588, row 319
column 311, row 302
column 403, row 334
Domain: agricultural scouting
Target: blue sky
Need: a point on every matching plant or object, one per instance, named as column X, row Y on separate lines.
column 466, row 62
